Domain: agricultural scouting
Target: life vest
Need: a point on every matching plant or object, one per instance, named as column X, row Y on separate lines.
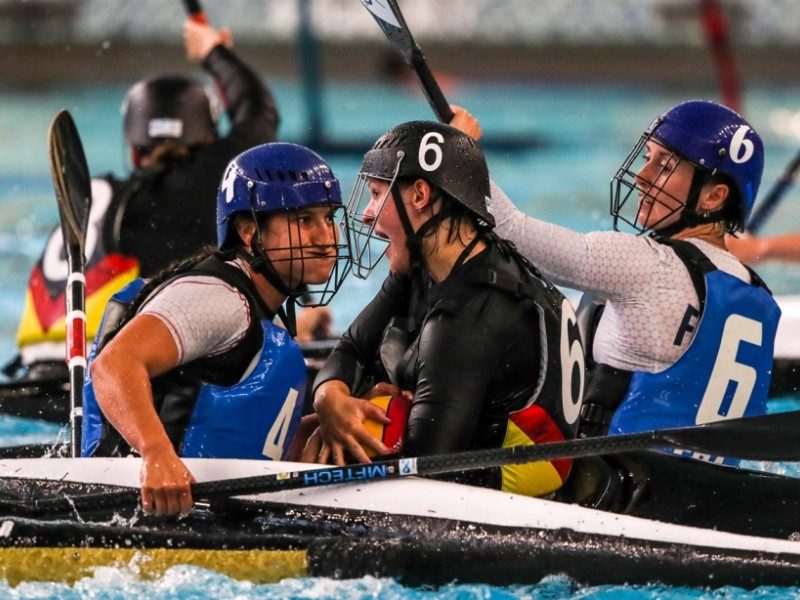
column 95, row 427
column 551, row 412
column 42, row 329
column 257, row 417
column 254, row 418
column 723, row 374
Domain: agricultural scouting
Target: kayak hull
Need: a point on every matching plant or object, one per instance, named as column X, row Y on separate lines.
column 418, row 531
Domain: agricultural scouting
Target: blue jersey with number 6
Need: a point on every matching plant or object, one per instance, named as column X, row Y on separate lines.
column 724, row 373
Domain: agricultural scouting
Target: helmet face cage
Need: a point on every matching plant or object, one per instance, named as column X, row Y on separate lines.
column 367, row 247
column 444, row 156
column 299, row 258
column 714, row 139
column 287, row 181
column 627, row 208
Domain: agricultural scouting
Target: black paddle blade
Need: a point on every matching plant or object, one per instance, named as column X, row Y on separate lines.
column 390, row 19
column 766, row 437
column 71, row 180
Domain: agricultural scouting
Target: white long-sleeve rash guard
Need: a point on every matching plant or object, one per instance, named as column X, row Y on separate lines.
column 646, row 286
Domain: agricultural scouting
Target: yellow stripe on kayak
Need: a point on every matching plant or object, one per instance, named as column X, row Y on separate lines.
column 72, row 564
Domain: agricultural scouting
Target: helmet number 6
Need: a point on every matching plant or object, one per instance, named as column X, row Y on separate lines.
column 426, row 146
column 741, row 148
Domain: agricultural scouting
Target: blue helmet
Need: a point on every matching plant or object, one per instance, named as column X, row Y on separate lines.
column 716, row 139
column 274, row 177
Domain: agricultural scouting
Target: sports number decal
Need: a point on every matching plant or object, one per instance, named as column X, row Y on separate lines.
column 572, row 364
column 738, row 329
column 426, row 147
column 276, row 438
column 227, row 183
column 741, row 148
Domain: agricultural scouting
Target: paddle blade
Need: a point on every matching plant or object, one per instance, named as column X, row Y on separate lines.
column 390, row 20
column 74, row 195
column 71, row 180
column 766, row 437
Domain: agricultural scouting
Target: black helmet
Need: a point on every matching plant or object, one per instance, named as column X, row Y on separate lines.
column 168, row 108
column 439, row 153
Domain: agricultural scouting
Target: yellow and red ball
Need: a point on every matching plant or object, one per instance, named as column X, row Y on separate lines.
column 392, row 434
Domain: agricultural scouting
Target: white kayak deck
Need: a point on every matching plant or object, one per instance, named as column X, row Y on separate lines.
column 787, row 340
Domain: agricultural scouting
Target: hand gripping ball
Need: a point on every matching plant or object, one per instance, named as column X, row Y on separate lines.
column 393, row 434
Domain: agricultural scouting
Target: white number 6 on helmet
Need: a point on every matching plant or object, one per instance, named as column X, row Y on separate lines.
column 426, row 146
column 741, row 148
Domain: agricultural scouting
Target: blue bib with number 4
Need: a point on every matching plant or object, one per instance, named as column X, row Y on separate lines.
column 257, row 417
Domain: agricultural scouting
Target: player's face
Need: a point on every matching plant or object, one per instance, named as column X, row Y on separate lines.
column 302, row 244
column 663, row 184
column 382, row 211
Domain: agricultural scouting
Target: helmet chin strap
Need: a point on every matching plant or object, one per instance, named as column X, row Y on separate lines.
column 261, row 264
column 413, row 238
column 414, row 246
column 689, row 216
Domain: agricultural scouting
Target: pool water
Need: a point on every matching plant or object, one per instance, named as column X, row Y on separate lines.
column 582, row 135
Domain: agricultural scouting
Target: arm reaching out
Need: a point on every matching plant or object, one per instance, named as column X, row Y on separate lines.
column 121, row 375
column 752, row 250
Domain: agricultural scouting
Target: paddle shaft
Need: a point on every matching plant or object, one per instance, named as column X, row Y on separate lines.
column 716, row 30
column 430, row 87
column 764, row 437
column 775, row 195
column 76, row 345
column 742, row 438
column 388, row 16
column 195, row 11
column 74, row 195
column 379, row 470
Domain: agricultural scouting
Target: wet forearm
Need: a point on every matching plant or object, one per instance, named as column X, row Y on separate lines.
column 124, row 395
